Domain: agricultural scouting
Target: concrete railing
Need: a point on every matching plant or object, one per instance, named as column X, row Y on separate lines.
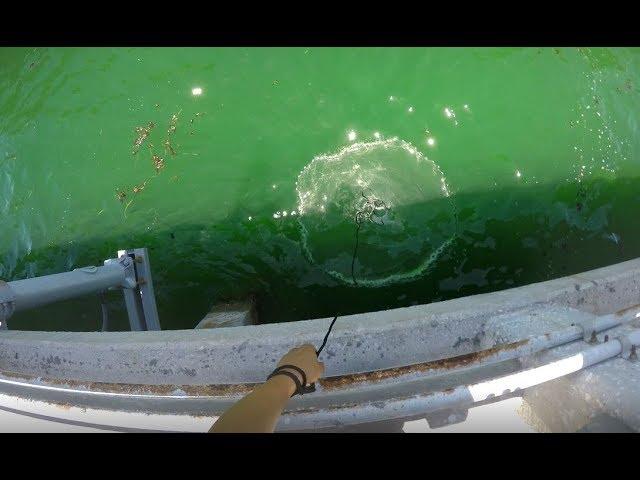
column 371, row 357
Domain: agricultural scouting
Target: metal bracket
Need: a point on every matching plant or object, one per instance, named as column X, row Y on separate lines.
column 589, row 329
column 445, row 417
column 138, row 294
column 628, row 348
column 129, row 270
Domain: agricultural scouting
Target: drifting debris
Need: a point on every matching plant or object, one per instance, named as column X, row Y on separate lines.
column 158, row 163
column 143, row 133
column 193, row 120
column 168, row 148
column 173, row 123
column 139, row 188
column 121, row 194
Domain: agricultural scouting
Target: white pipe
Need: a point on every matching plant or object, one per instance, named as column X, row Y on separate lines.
column 34, row 292
column 533, row 376
column 536, row 344
column 463, row 396
column 544, row 373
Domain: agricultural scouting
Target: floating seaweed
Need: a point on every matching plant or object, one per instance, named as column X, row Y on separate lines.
column 158, row 163
column 127, row 207
column 121, row 194
column 139, row 188
column 142, row 134
column 173, row 123
column 168, row 148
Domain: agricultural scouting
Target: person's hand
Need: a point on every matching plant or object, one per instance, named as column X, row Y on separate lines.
column 259, row 411
column 305, row 358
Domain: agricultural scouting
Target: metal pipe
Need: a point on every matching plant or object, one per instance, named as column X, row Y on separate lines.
column 38, row 291
column 463, row 396
column 527, row 346
column 531, row 345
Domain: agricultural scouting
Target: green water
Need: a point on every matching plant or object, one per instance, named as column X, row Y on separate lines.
column 538, row 146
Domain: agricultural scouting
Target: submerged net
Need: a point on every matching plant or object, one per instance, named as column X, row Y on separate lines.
column 387, row 193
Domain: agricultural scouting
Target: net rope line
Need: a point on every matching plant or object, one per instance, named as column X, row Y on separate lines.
column 365, row 213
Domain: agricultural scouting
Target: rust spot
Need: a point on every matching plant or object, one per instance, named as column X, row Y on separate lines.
column 141, row 389
column 330, row 408
column 223, row 390
column 219, row 390
column 465, row 360
column 625, row 310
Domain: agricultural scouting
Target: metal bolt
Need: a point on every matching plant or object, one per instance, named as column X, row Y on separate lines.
column 593, row 338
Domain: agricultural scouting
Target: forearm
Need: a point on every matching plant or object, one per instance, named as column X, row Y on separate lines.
column 258, row 411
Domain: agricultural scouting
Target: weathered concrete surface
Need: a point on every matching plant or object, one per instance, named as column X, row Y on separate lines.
column 576, row 402
column 359, row 343
column 196, row 373
column 605, row 424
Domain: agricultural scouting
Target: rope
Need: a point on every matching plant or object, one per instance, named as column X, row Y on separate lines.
column 324, row 342
column 372, row 204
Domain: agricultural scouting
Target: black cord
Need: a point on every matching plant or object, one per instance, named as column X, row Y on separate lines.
column 355, row 253
column 353, row 261
column 324, row 342
column 359, row 221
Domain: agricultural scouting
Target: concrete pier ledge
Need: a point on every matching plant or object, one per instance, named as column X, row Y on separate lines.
column 202, row 371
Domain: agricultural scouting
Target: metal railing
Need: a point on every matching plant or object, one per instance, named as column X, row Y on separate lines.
column 130, row 271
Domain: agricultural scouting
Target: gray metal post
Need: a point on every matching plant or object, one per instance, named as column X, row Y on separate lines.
column 141, row 300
